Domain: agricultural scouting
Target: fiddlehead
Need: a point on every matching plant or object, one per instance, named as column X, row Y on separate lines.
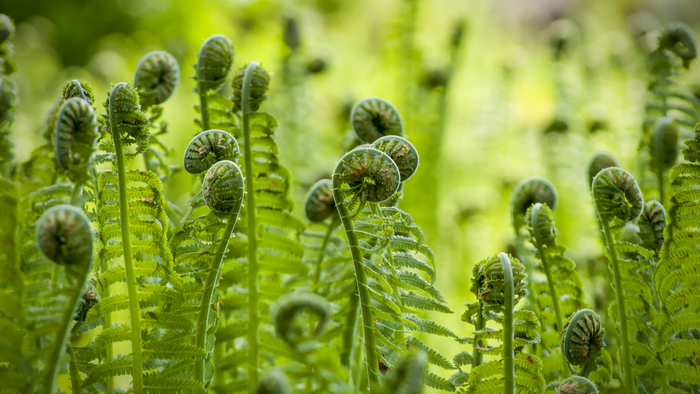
column 576, row 385
column 528, row 192
column 156, row 77
column 402, row 152
column 273, row 381
column 319, row 204
column 210, row 147
column 600, row 161
column 407, row 377
column 258, row 85
column 652, row 222
column 213, row 65
column 374, row 117
column 127, row 124
column 616, row 196
column 664, row 151
column 64, row 236
column 286, row 314
column 72, row 89
column 679, row 39
column 583, row 340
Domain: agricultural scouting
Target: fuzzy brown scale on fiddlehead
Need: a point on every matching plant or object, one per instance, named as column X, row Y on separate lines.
column 374, row 117
column 64, row 236
column 402, row 152
column 287, row 315
column 531, row 191
column 488, row 282
column 131, row 123
column 617, row 195
column 370, row 174
column 600, row 161
column 273, row 381
column 679, row 39
column 208, row 148
column 319, row 204
column 156, row 77
column 76, row 132
column 213, row 63
column 577, row 385
column 223, row 188
column 259, row 84
column 583, row 337
column 652, row 222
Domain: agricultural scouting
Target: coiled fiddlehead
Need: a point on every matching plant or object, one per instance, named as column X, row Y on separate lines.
column 76, row 133
column 223, row 191
column 402, row 152
column 213, row 65
column 364, row 175
column 273, row 381
column 616, row 195
column 64, row 236
column 374, row 117
column 652, row 222
column 156, row 77
column 528, row 192
column 210, row 147
column 664, row 151
column 259, row 84
column 679, row 39
column 407, row 377
column 127, row 123
column 582, row 340
column 72, row 89
column 600, row 161
column 577, row 385
column 319, row 204
column 285, row 316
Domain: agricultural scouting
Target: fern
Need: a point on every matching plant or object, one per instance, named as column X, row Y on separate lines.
column 499, row 283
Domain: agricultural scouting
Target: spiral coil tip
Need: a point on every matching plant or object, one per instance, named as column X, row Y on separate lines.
column 583, row 337
column 601, row 160
column 273, row 381
column 208, row 148
column 64, row 236
column 259, row 85
column 287, row 315
column 223, row 188
column 617, row 194
column 530, row 191
column 214, row 61
column 369, row 172
column 402, row 152
column 577, row 385
column 156, row 77
column 319, row 203
column 374, row 117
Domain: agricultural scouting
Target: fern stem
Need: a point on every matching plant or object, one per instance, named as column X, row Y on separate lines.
column 74, row 372
column 508, row 332
column 202, row 92
column 62, row 335
column 350, row 331
column 621, row 305
column 252, row 234
column 75, row 197
column 370, row 340
column 534, row 214
column 324, row 244
column 131, row 285
column 478, row 356
column 109, row 351
column 209, row 286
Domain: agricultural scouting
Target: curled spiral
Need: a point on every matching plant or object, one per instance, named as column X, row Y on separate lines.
column 8, row 98
column 214, row 63
column 402, row 152
column 407, row 377
column 583, row 337
column 64, row 236
column 679, row 39
column 370, row 174
column 7, row 28
column 600, row 161
column 156, row 77
column 544, row 224
column 208, row 148
column 577, row 385
column 319, row 204
column 76, row 132
column 652, row 222
column 90, row 299
column 72, row 88
column 223, row 188
column 664, row 144
column 131, row 122
column 374, row 117
column 530, row 191
column 259, row 85
column 273, row 381
column 616, row 194
column 488, row 282
column 285, row 312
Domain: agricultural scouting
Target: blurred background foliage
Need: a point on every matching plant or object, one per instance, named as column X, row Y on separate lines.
column 491, row 91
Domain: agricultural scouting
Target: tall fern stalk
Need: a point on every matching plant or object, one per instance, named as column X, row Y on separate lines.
column 134, row 312
column 252, row 232
column 613, row 190
column 508, row 332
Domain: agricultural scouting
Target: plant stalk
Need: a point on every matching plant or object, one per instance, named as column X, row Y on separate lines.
column 508, row 332
column 478, row 356
column 252, row 234
column 74, row 372
column 131, row 284
column 324, row 244
column 350, row 331
column 202, row 92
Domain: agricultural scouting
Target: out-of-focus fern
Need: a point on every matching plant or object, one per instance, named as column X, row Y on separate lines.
column 498, row 283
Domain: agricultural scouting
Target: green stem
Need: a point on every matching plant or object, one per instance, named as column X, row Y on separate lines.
column 79, row 88
column 75, row 197
column 203, row 105
column 209, row 286
column 324, row 244
column 621, row 307
column 350, row 331
column 508, row 332
column 74, row 372
column 131, row 284
column 252, row 234
column 62, row 334
column 588, row 367
column 109, row 351
column 534, row 214
column 478, row 356
column 361, row 278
